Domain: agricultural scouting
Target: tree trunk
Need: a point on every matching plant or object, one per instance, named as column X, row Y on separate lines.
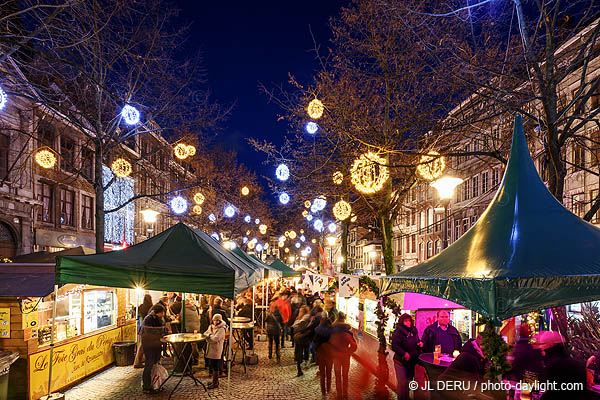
column 99, row 189
column 345, row 247
column 387, row 245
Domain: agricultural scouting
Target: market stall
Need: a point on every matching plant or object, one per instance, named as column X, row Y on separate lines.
column 286, row 271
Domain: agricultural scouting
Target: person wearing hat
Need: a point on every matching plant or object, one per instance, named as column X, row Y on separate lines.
column 215, row 337
column 406, row 346
column 153, row 329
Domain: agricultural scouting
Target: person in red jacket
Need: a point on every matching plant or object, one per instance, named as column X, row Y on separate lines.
column 285, row 309
column 342, row 346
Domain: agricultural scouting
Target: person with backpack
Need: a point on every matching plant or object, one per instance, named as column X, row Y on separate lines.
column 343, row 346
column 152, row 331
column 302, row 336
column 274, row 330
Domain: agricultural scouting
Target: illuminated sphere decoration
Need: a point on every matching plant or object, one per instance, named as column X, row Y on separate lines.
column 229, row 211
column 304, row 213
column 199, row 198
column 121, row 167
column 179, row 205
column 353, row 219
column 262, row 228
column 215, row 236
column 244, row 239
column 212, row 217
column 284, row 198
column 197, row 209
column 287, row 234
column 247, row 219
column 431, row 166
column 251, row 244
column 3, row 98
column 332, row 227
column 281, row 244
column 245, row 191
column 309, row 217
column 282, row 238
column 266, row 246
column 311, row 127
column 301, row 230
column 307, row 204
column 297, row 245
column 282, row 172
column 45, row 158
column 259, row 247
column 315, row 109
column 314, row 209
column 287, row 250
column 314, row 241
column 292, row 234
column 257, row 221
column 369, row 172
column 342, row 210
column 248, row 232
column 338, row 177
column 302, row 238
column 319, row 203
column 130, row 114
column 318, row 225
column 192, row 152
column 181, row 151
column 308, row 250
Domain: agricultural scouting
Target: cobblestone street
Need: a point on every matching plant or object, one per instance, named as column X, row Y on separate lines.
column 267, row 380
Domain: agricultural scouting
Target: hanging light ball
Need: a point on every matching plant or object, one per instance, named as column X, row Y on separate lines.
column 338, row 177
column 282, row 172
column 45, row 158
column 318, row 225
column 257, row 221
column 315, row 109
column 311, row 127
column 247, row 219
column 212, row 217
column 342, row 210
column 302, row 238
column 130, row 114
column 199, row 198
column 332, row 227
column 266, row 246
column 309, row 217
column 282, row 238
column 245, row 191
column 181, row 151
column 353, row 219
column 301, row 230
column 319, row 203
column 229, row 211
column 287, row 234
column 431, row 166
column 192, row 152
column 313, row 241
column 262, row 228
column 251, row 244
column 244, row 239
column 3, row 98
column 308, row 250
column 281, row 244
column 248, row 232
column 287, row 250
column 179, row 205
column 121, row 167
column 313, row 209
column 284, row 198
column 307, row 204
column 215, row 236
column 197, row 209
column 369, row 172
column 292, row 235
column 297, row 245
column 259, row 247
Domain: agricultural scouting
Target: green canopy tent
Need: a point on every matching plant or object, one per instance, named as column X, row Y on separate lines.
column 526, row 252
column 286, row 271
column 270, row 272
column 179, row 259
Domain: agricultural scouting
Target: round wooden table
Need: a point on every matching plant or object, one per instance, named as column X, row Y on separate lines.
column 185, row 340
column 237, row 330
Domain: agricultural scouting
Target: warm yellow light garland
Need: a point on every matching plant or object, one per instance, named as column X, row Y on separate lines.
column 369, row 173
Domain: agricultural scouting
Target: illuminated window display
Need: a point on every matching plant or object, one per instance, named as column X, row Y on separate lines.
column 461, row 319
column 371, row 319
column 352, row 317
column 68, row 314
column 99, row 310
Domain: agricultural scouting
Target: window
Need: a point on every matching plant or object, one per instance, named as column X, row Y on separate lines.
column 46, row 134
column 595, row 147
column 429, row 220
column 465, row 224
column 456, row 229
column 485, row 177
column 87, row 204
column 67, row 153
column 67, row 198
column 87, row 163
column 578, row 157
column 438, row 222
column 594, row 95
column 593, row 194
column 578, row 204
column 408, row 245
column 495, row 178
column 438, row 246
column 475, row 184
column 413, row 218
column 413, row 243
column 429, row 249
column 47, row 202
column 466, row 190
column 4, row 148
column 421, row 251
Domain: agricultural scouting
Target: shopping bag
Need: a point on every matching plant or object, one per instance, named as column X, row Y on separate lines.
column 159, row 376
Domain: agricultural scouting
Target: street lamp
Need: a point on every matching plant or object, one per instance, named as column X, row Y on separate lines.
column 445, row 187
column 149, row 218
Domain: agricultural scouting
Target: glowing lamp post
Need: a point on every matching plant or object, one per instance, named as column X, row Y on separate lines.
column 149, row 216
column 445, row 187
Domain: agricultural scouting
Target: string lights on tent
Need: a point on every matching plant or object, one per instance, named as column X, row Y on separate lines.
column 3, row 98
column 178, row 204
column 338, row 177
column 262, row 228
column 197, row 209
column 431, row 166
column 199, row 198
column 282, row 172
column 311, row 127
column 369, row 172
column 130, row 114
column 245, row 191
column 284, row 198
column 45, row 158
column 121, row 168
column 315, row 109
column 342, row 210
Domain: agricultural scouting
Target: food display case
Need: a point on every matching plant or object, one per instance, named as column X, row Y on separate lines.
column 341, row 303
column 99, row 309
column 68, row 315
column 371, row 319
column 352, row 312
column 463, row 322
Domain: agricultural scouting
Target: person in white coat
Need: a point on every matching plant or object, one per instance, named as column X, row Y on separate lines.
column 215, row 337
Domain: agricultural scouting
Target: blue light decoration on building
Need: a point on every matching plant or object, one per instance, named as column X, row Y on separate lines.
column 284, row 198
column 120, row 224
column 247, row 219
column 130, row 114
column 311, row 127
column 282, row 172
column 3, row 98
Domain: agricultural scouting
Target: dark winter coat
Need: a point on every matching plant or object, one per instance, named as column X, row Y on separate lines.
column 342, row 342
column 153, row 329
column 430, row 337
column 246, row 311
column 404, row 340
column 561, row 368
column 322, row 335
column 274, row 322
column 204, row 319
column 302, row 331
column 526, row 358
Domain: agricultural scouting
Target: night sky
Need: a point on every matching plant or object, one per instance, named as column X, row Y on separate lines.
column 244, row 43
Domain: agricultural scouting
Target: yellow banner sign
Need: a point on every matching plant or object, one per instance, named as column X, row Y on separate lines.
column 4, row 323
column 29, row 308
column 72, row 361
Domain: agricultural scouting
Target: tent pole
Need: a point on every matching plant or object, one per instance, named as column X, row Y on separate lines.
column 253, row 317
column 137, row 306
column 52, row 340
column 230, row 353
column 263, row 304
column 182, row 322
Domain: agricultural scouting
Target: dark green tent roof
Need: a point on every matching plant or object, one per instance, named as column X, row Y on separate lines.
column 179, row 259
column 285, row 270
column 526, row 252
column 268, row 271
